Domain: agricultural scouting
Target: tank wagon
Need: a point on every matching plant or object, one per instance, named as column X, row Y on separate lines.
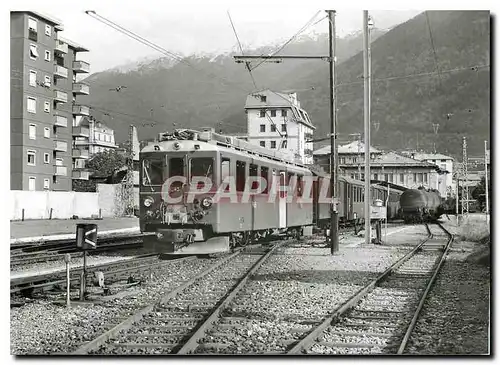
column 185, row 202
column 419, row 205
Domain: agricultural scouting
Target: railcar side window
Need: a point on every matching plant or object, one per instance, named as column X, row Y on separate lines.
column 153, row 172
column 240, row 175
column 264, row 174
column 224, row 169
column 253, row 172
column 299, row 185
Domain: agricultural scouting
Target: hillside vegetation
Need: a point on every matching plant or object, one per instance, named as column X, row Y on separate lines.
column 450, row 92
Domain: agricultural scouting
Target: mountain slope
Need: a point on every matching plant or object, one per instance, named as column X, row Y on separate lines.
column 212, row 91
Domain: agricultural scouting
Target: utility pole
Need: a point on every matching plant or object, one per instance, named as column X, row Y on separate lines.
column 366, row 74
column 334, row 238
column 128, row 188
column 486, row 178
column 334, row 215
column 465, row 192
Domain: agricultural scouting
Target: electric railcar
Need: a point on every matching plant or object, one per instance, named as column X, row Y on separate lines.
column 185, row 202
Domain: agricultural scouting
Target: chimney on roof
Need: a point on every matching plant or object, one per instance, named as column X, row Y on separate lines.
column 412, row 155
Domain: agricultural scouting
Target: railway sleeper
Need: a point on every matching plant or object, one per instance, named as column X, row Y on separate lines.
column 131, row 345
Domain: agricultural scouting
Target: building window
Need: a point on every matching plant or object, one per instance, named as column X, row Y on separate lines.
column 401, row 178
column 47, row 56
column 263, row 98
column 386, row 177
column 283, row 112
column 390, row 177
column 273, row 144
column 31, row 104
column 414, row 178
column 262, row 113
column 59, row 161
column 31, row 183
column 273, row 113
column 32, row 131
column 46, row 107
column 273, row 127
column 31, row 157
column 32, row 80
column 32, row 24
column 46, row 132
column 283, row 127
column 262, row 128
column 33, row 51
column 425, row 177
column 47, row 81
column 48, row 30
column 375, row 176
column 262, row 143
column 46, row 184
column 46, row 158
column 284, row 143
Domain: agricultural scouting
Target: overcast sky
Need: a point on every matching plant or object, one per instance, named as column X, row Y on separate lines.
column 190, row 27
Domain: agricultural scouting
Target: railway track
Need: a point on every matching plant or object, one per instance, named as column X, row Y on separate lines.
column 380, row 318
column 56, row 250
column 112, row 271
column 174, row 324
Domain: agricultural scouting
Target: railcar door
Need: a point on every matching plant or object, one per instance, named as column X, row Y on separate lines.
column 282, row 199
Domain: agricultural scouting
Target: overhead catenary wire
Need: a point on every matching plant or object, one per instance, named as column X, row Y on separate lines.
column 304, row 27
column 433, row 47
column 247, row 64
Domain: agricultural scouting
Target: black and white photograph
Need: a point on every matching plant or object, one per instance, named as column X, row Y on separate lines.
column 250, row 179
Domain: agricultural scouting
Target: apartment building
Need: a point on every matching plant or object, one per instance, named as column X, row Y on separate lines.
column 275, row 120
column 44, row 88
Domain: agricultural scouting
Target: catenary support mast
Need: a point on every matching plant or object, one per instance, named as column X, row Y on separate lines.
column 367, row 94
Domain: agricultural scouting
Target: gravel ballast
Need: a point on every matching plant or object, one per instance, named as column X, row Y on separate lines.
column 43, row 328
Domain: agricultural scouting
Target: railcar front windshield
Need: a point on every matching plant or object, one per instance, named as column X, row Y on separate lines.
column 201, row 166
column 153, row 171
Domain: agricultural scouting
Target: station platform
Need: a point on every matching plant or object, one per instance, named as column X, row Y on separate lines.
column 59, row 229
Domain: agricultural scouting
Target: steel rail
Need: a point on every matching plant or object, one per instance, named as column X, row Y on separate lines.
column 191, row 345
column 37, row 280
column 129, row 322
column 413, row 322
column 307, row 341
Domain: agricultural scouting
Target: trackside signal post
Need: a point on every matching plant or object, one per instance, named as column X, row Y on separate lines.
column 331, row 58
column 86, row 239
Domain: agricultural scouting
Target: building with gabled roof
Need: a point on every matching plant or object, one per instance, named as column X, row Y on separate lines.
column 384, row 166
column 275, row 120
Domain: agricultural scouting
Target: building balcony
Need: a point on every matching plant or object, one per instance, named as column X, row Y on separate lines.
column 61, row 121
column 60, row 146
column 80, row 175
column 81, row 142
column 81, row 67
column 81, row 132
column 60, row 96
column 80, row 88
column 60, row 72
column 60, row 170
column 81, row 110
column 80, row 153
column 61, row 48
column 79, row 165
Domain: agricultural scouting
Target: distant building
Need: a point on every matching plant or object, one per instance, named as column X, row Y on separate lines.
column 442, row 178
column 276, row 121
column 384, row 166
column 99, row 138
column 43, row 90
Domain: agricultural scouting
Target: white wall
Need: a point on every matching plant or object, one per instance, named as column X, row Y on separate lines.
column 64, row 204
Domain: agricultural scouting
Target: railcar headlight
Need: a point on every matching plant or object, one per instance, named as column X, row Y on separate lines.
column 206, row 202
column 148, row 201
